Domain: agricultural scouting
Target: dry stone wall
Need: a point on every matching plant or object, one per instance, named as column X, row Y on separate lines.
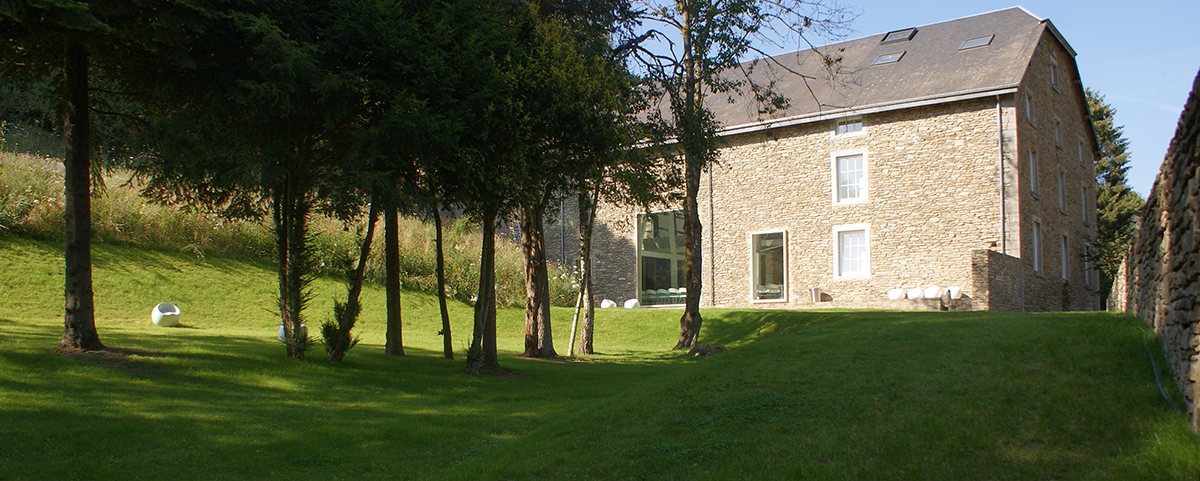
column 1160, row 278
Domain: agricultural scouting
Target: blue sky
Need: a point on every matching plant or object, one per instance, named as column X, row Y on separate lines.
column 1141, row 56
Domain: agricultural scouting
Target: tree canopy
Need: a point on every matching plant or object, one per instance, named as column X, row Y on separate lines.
column 1117, row 205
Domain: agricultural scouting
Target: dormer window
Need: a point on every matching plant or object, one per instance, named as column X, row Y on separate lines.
column 977, row 42
column 888, row 58
column 898, row 36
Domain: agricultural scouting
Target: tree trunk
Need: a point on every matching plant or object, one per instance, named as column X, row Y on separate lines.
column 350, row 314
column 79, row 321
column 538, row 340
column 394, row 344
column 689, row 323
column 692, row 131
column 587, row 223
column 291, row 209
column 483, row 340
column 292, row 223
column 447, row 345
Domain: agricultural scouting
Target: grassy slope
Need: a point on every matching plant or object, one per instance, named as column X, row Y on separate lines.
column 823, row 395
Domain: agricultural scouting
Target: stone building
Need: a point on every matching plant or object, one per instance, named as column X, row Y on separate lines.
column 958, row 154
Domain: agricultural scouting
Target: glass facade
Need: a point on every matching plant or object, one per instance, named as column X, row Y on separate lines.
column 662, row 265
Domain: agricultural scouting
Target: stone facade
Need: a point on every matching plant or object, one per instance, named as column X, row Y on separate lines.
column 1066, row 157
column 950, row 200
column 1160, row 278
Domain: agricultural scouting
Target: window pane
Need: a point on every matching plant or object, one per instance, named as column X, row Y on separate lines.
column 768, row 266
column 849, row 126
column 853, row 252
column 977, row 42
column 1066, row 264
column 850, row 177
column 889, row 58
column 662, row 262
column 1037, row 247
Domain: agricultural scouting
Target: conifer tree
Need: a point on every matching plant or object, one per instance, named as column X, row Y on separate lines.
column 1117, row 205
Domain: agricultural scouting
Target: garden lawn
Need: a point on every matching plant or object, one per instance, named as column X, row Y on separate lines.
column 796, row 395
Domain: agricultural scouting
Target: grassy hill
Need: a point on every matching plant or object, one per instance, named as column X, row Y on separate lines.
column 796, row 395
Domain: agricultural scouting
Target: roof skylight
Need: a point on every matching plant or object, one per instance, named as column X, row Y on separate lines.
column 888, row 58
column 894, row 36
column 977, row 42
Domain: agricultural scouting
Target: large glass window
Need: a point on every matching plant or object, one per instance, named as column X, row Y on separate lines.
column 852, row 254
column 662, row 264
column 769, row 271
column 850, row 178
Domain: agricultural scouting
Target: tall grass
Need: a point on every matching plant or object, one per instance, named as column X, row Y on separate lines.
column 31, row 205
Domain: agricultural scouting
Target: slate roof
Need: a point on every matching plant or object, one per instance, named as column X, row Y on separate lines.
column 932, row 69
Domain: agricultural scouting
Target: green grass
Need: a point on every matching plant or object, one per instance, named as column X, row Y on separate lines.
column 796, row 395
column 31, row 206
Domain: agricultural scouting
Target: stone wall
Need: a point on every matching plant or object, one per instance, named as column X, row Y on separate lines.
column 1160, row 278
column 1052, row 123
column 943, row 182
column 997, row 281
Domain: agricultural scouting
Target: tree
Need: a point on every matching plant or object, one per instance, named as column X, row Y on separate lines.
column 715, row 35
column 570, row 92
column 265, row 129
column 124, row 43
column 1117, row 205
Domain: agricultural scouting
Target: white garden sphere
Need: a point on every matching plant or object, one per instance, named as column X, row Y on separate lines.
column 165, row 314
column 283, row 332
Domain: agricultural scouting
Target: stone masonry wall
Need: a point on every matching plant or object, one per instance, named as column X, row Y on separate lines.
column 933, row 197
column 936, row 194
column 1160, row 278
column 1041, row 105
column 997, row 281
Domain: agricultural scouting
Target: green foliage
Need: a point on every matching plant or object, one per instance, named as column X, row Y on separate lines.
column 796, row 395
column 31, row 206
column 1117, row 205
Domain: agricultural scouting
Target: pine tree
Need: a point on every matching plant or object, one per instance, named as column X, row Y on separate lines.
column 1117, row 205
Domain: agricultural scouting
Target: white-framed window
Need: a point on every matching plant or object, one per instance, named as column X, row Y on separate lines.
column 848, row 127
column 1083, row 203
column 768, row 259
column 1054, row 73
column 1029, row 106
column 1058, row 142
column 1065, row 258
column 849, row 180
column 851, row 251
column 1033, row 171
column 1082, row 152
column 1037, row 245
column 1062, row 191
